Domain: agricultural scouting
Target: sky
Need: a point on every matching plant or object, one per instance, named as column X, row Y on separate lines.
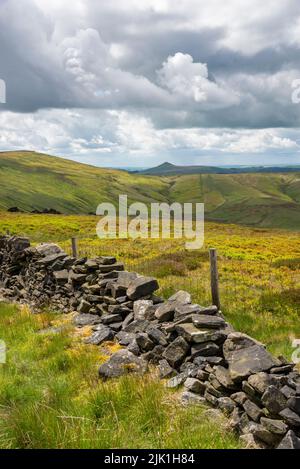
column 140, row 82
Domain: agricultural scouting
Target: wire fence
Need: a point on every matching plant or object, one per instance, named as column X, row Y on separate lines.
column 266, row 282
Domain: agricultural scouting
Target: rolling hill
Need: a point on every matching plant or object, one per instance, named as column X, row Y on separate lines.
column 31, row 181
column 169, row 169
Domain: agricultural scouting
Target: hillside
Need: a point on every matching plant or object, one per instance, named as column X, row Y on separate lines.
column 169, row 169
column 36, row 181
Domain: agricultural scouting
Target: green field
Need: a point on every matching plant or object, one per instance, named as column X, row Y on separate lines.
column 34, row 181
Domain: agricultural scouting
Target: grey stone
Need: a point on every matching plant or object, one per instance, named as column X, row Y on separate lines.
column 190, row 398
column 226, row 404
column 98, row 337
column 213, row 400
column 106, row 260
column 140, row 307
column 144, row 342
column 211, row 310
column 245, row 356
column 48, row 260
column 212, row 390
column 193, row 334
column 86, row 319
column 252, row 410
column 264, row 435
column 208, row 322
column 125, row 338
column 260, row 381
column 176, row 352
column 141, row 286
column 294, row 404
column 290, row 417
column 177, row 380
column 274, row 426
column 165, row 312
column 209, row 360
column 157, row 336
column 84, row 307
column 274, row 400
column 165, row 370
column 120, row 363
column 47, row 249
column 249, row 390
column 290, row 441
column 116, row 326
column 205, row 349
column 111, row 318
column 183, row 311
column 128, row 320
column 118, row 266
column 287, row 391
column 182, row 297
column 134, row 348
column 285, row 369
column 61, row 276
column 125, row 278
column 91, row 264
column 249, row 441
column 223, row 376
column 239, row 397
column 138, row 325
column 194, row 385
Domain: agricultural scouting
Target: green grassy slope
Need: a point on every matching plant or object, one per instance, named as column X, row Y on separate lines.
column 32, row 180
column 35, row 181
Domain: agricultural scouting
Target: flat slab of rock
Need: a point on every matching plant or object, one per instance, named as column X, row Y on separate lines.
column 86, row 319
column 120, row 363
column 205, row 349
column 142, row 286
column 245, row 356
column 98, row 337
column 195, row 335
column 190, row 398
column 274, row 426
column 208, row 322
column 185, row 311
column 290, row 417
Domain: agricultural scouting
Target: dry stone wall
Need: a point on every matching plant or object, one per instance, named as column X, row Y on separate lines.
column 191, row 345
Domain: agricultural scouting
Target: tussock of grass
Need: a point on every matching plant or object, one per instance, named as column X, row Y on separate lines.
column 51, row 396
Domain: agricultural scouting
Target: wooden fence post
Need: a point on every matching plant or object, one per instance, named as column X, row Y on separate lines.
column 74, row 248
column 214, row 278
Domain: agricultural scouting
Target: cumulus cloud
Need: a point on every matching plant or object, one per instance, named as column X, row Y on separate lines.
column 190, row 80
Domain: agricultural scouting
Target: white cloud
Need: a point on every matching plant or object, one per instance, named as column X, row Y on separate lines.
column 188, row 79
